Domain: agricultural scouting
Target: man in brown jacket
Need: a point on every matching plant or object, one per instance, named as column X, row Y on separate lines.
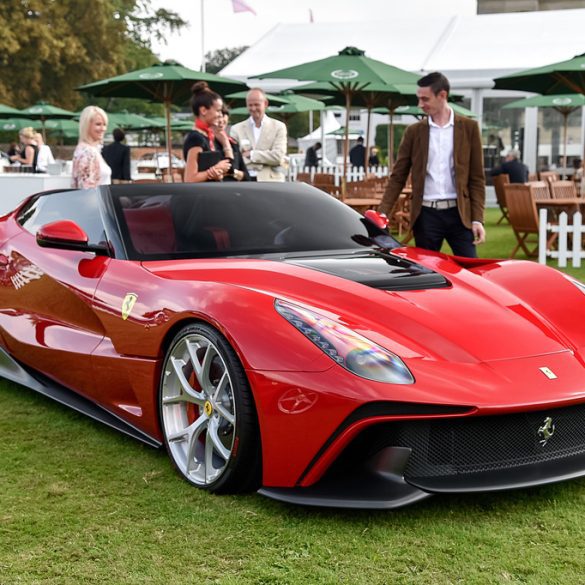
column 445, row 155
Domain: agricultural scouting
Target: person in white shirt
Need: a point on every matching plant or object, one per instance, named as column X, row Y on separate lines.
column 45, row 156
column 262, row 140
column 445, row 154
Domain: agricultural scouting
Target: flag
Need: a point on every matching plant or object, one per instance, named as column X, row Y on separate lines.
column 241, row 6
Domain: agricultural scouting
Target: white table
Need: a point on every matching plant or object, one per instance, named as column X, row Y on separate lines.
column 14, row 187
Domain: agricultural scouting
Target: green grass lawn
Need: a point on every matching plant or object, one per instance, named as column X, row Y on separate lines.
column 82, row 504
column 500, row 241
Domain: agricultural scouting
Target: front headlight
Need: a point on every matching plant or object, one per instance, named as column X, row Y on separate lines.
column 346, row 347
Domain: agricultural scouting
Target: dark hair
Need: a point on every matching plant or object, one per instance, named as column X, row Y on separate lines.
column 203, row 96
column 360, row 139
column 118, row 134
column 224, row 110
column 436, row 81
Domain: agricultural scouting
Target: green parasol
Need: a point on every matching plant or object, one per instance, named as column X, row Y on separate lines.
column 238, row 99
column 44, row 111
column 15, row 124
column 284, row 109
column 556, row 78
column 126, row 121
column 167, row 83
column 63, row 128
column 10, row 112
column 349, row 73
column 159, row 122
column 68, row 128
column 416, row 111
column 374, row 95
column 564, row 104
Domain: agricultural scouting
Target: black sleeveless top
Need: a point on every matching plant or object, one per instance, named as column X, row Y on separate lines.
column 196, row 138
column 35, row 156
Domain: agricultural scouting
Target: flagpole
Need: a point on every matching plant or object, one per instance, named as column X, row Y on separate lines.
column 202, row 36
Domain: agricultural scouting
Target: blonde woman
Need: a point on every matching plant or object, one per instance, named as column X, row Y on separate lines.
column 89, row 168
column 30, row 151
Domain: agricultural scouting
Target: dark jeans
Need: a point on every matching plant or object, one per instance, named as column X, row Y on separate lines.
column 433, row 226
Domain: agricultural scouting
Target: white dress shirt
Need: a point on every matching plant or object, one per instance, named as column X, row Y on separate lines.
column 256, row 131
column 44, row 158
column 440, row 177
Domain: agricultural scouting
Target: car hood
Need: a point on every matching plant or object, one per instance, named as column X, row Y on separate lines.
column 411, row 309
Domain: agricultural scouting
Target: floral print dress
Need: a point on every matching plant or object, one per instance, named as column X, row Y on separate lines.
column 89, row 167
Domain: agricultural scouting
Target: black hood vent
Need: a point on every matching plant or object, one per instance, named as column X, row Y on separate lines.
column 377, row 270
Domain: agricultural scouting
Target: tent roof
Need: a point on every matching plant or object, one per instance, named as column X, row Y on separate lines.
column 470, row 49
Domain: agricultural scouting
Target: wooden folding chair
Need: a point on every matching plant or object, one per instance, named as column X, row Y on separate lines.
column 540, row 189
column 524, row 219
column 303, row 178
column 401, row 217
column 362, row 195
column 325, row 182
column 549, row 176
column 563, row 190
column 499, row 181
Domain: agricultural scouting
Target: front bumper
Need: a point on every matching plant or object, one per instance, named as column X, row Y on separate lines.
column 396, row 463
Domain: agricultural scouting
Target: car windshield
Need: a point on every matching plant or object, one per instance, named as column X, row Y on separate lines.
column 231, row 219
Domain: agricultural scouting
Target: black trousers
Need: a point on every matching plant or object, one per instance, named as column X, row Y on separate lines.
column 433, row 226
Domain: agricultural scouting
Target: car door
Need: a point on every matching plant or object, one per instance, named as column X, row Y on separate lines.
column 46, row 311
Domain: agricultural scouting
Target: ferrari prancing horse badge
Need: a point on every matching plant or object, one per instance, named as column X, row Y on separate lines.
column 127, row 304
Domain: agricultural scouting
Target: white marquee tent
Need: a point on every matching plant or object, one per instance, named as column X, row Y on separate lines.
column 470, row 49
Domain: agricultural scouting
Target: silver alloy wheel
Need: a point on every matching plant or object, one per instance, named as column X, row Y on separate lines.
column 198, row 409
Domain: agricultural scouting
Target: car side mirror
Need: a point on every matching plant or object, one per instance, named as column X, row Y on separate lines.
column 380, row 220
column 65, row 234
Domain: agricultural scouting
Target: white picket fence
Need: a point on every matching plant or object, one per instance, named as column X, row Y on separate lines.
column 353, row 173
column 568, row 248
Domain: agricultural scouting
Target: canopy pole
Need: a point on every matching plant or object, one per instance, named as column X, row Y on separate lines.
column 169, row 138
column 346, row 142
column 367, row 155
column 565, row 128
column 582, row 191
column 391, row 141
column 322, row 116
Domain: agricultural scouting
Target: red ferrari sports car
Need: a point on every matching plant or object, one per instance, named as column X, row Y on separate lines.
column 273, row 339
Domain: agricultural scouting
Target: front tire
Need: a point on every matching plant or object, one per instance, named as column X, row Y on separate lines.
column 207, row 412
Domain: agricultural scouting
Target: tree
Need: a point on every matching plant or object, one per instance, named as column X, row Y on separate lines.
column 215, row 61
column 49, row 47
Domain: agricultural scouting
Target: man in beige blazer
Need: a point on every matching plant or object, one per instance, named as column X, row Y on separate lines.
column 445, row 155
column 262, row 140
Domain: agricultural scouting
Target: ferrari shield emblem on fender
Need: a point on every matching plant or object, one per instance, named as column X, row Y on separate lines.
column 546, row 431
column 127, row 304
column 548, row 373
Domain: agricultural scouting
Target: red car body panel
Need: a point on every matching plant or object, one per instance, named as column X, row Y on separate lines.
column 478, row 344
